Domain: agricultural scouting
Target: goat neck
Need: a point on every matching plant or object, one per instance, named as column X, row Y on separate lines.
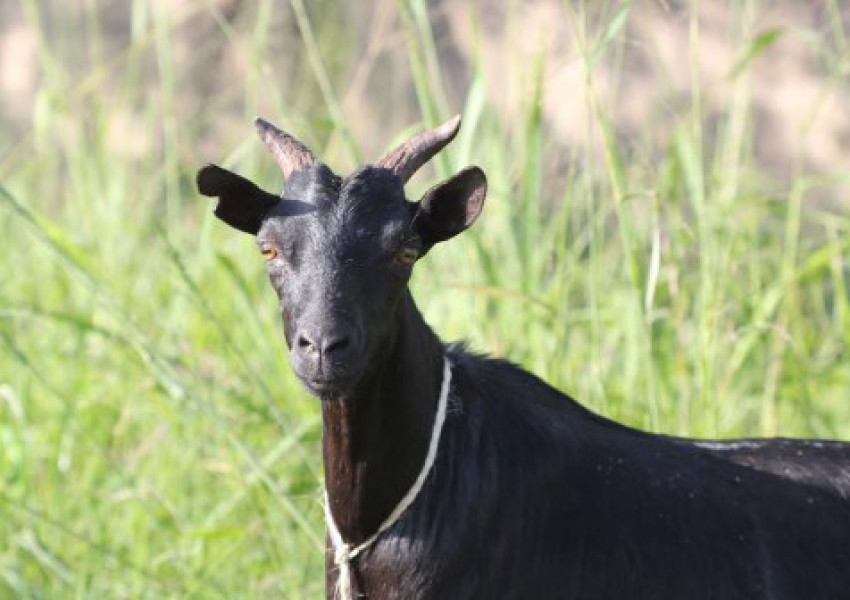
column 376, row 437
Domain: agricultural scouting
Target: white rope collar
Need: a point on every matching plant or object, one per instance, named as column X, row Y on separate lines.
column 344, row 553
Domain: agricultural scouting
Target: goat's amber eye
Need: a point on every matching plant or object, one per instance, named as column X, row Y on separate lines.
column 268, row 251
column 407, row 256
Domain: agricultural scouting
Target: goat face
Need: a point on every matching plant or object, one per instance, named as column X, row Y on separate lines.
column 339, row 252
column 340, row 269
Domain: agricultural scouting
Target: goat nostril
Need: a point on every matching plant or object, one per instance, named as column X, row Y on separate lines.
column 336, row 345
column 305, row 344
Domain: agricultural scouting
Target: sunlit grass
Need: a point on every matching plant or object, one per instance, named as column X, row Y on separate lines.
column 152, row 441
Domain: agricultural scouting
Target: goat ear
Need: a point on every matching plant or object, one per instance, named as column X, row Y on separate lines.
column 451, row 206
column 241, row 204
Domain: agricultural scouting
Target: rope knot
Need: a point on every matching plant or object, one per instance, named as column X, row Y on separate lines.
column 342, row 554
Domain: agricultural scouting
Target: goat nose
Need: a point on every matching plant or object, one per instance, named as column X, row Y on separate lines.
column 325, row 346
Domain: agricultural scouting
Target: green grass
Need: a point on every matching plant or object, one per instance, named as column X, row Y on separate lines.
column 152, row 441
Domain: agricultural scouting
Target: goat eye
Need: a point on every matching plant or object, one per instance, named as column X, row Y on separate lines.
column 406, row 256
column 268, row 251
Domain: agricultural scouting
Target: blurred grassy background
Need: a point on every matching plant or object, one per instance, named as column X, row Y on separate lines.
column 665, row 239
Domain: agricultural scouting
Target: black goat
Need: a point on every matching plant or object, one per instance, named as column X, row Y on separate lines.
column 523, row 493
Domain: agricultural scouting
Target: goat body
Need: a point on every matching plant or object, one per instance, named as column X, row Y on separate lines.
column 530, row 495
column 533, row 496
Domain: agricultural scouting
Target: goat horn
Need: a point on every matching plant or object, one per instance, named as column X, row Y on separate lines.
column 406, row 159
column 290, row 154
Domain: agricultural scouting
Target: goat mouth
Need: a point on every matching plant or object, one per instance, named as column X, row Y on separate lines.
column 326, row 386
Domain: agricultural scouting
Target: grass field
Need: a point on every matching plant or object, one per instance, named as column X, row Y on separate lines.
column 152, row 441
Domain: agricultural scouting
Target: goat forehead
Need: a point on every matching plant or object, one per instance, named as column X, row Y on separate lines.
column 369, row 187
column 372, row 189
column 371, row 205
column 366, row 209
